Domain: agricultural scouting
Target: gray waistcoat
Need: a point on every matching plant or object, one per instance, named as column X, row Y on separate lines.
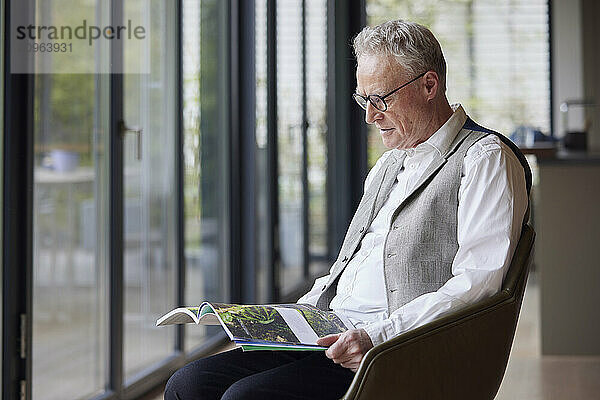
column 422, row 241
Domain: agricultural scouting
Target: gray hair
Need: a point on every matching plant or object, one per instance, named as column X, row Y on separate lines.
column 412, row 45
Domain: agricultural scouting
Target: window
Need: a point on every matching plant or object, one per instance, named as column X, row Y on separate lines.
column 497, row 54
column 115, row 156
column 70, row 212
column 76, row 179
column 300, row 64
column 204, row 150
column 290, row 142
column 263, row 231
column 149, row 187
column 316, row 105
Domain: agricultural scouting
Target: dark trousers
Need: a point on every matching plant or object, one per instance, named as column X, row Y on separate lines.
column 260, row 375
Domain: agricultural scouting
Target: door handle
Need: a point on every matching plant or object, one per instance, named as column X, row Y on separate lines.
column 136, row 130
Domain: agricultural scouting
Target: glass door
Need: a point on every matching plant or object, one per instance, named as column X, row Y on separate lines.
column 149, row 184
column 70, row 213
column 204, row 27
column 76, row 341
column 290, row 143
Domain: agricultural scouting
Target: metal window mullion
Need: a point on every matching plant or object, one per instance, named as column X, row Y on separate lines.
column 115, row 211
column 357, row 134
column 272, row 154
column 235, row 173
column 305, row 186
column 334, row 209
column 179, row 179
column 244, row 81
column 347, row 136
column 17, row 221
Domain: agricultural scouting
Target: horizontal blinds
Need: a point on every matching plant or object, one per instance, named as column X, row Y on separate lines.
column 497, row 54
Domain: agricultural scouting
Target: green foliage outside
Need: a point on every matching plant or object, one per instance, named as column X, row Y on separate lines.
column 65, row 103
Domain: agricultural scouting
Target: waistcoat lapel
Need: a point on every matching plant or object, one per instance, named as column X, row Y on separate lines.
column 387, row 183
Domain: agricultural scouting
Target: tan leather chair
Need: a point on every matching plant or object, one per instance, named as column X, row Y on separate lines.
column 462, row 355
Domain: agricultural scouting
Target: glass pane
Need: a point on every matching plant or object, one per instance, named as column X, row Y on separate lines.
column 204, row 157
column 289, row 141
column 316, row 81
column 70, row 214
column 262, row 211
column 149, row 186
column 497, row 55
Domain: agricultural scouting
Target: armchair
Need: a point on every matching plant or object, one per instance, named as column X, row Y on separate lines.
column 462, row 355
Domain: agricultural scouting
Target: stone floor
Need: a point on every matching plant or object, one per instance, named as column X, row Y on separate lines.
column 534, row 377
column 529, row 376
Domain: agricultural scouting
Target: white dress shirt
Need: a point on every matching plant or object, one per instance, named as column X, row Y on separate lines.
column 492, row 204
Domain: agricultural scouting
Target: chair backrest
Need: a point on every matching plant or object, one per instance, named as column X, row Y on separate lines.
column 519, row 266
column 462, row 355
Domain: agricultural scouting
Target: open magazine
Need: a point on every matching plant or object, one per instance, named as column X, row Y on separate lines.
column 264, row 327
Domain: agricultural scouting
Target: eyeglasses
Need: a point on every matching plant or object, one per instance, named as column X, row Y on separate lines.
column 379, row 101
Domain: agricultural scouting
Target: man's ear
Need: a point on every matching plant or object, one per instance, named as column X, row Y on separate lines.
column 432, row 84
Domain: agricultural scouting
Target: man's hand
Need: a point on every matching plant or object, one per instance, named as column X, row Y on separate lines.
column 348, row 348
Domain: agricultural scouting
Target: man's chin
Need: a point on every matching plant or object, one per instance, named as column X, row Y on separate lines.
column 391, row 139
column 396, row 143
column 391, row 142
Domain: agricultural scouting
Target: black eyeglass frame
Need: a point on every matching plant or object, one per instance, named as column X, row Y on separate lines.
column 363, row 104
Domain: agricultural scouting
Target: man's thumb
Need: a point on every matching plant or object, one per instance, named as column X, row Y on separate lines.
column 328, row 340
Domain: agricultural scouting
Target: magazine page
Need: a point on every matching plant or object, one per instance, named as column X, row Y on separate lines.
column 190, row 315
column 208, row 316
column 298, row 324
column 323, row 323
column 255, row 323
column 182, row 315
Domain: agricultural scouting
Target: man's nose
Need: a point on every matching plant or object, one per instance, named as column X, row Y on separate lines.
column 372, row 114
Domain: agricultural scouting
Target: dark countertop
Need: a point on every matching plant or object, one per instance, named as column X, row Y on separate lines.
column 565, row 157
column 548, row 154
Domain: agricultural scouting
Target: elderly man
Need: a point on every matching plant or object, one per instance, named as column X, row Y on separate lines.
column 435, row 229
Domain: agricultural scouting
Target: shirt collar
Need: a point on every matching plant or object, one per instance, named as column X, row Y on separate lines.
column 441, row 140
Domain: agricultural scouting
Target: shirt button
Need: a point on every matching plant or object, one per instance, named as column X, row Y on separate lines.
column 345, row 259
column 395, row 227
column 390, row 255
column 362, row 229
